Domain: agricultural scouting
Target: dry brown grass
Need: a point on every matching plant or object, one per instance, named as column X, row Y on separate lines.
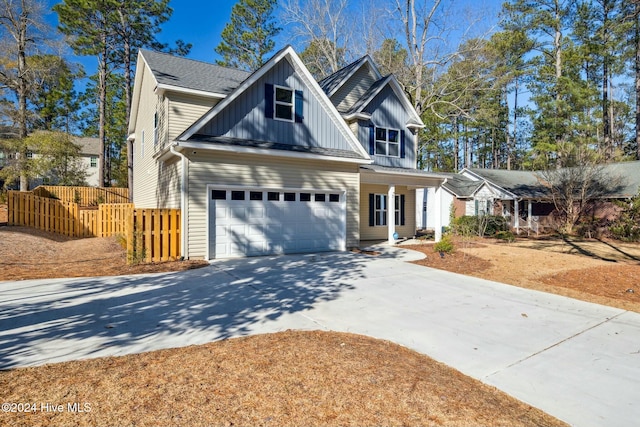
column 291, row 378
column 599, row 272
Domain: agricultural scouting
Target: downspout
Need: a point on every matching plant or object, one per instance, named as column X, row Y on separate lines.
column 184, row 188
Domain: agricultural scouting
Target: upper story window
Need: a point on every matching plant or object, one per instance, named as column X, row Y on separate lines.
column 94, row 161
column 387, row 142
column 283, row 103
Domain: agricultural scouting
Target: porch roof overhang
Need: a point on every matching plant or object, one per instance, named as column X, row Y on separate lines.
column 412, row 178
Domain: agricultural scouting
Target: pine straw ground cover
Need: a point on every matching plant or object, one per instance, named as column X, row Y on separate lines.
column 291, row 378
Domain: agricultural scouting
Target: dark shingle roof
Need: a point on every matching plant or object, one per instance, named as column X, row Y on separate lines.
column 524, row 184
column 237, row 142
column 461, row 186
column 332, row 81
column 367, row 96
column 88, row 145
column 629, row 175
column 191, row 74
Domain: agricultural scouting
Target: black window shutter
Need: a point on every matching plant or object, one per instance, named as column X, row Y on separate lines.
column 372, row 139
column 402, row 209
column 402, row 149
column 299, row 106
column 372, row 210
column 268, row 100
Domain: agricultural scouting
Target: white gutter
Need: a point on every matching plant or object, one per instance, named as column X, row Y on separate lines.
column 184, row 208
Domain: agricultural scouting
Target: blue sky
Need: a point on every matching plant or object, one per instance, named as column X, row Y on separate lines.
column 200, row 23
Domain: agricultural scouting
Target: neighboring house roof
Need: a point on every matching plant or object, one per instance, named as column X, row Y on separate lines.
column 88, row 146
column 530, row 185
column 461, row 186
column 522, row 184
column 173, row 72
column 629, row 174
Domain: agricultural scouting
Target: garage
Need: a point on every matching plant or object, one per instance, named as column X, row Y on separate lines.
column 259, row 221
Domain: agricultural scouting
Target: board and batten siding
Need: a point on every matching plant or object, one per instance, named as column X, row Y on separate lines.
column 388, row 112
column 260, row 171
column 381, row 232
column 245, row 118
column 353, row 89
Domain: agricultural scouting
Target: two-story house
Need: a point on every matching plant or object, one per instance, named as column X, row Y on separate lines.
column 273, row 161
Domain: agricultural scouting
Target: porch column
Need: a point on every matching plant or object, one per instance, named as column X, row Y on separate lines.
column 516, row 215
column 529, row 210
column 437, row 220
column 391, row 213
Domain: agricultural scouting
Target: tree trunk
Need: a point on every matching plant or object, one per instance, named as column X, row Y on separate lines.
column 102, row 110
column 22, row 90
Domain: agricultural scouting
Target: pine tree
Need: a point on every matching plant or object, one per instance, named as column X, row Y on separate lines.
column 249, row 36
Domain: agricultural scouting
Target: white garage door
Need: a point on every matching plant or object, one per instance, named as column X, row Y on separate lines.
column 254, row 222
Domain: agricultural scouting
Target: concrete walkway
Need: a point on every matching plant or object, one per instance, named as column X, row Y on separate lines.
column 577, row 361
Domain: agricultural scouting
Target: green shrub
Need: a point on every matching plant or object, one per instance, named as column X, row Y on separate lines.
column 505, row 235
column 444, row 245
column 486, row 225
column 627, row 226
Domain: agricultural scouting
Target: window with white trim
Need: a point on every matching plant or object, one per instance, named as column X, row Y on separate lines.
column 94, row 161
column 387, row 142
column 283, row 103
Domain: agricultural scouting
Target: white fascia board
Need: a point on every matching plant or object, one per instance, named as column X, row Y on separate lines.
column 141, row 67
column 182, row 146
column 360, row 116
column 162, row 88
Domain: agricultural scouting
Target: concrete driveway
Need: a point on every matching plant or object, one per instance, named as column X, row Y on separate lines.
column 575, row 360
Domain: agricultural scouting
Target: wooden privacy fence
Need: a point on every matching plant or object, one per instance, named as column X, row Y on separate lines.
column 43, row 213
column 84, row 196
column 151, row 235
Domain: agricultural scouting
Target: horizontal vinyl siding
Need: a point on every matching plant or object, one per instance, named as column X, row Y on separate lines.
column 184, row 110
column 169, row 184
column 353, row 89
column 264, row 171
column 145, row 168
column 381, row 233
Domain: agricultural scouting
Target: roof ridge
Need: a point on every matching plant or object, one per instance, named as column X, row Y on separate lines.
column 184, row 58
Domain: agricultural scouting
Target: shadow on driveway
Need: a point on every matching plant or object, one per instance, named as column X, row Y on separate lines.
column 54, row 320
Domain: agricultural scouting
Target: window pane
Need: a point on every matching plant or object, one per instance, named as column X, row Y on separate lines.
column 334, row 197
column 237, row 195
column 394, row 150
column 273, row 196
column 255, row 195
column 305, row 197
column 393, row 135
column 218, row 195
column 381, row 134
column 320, row 197
column 284, row 95
column 284, row 112
column 378, row 201
column 381, row 148
column 289, row 197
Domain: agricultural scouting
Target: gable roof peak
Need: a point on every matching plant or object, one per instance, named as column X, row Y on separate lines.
column 333, row 82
